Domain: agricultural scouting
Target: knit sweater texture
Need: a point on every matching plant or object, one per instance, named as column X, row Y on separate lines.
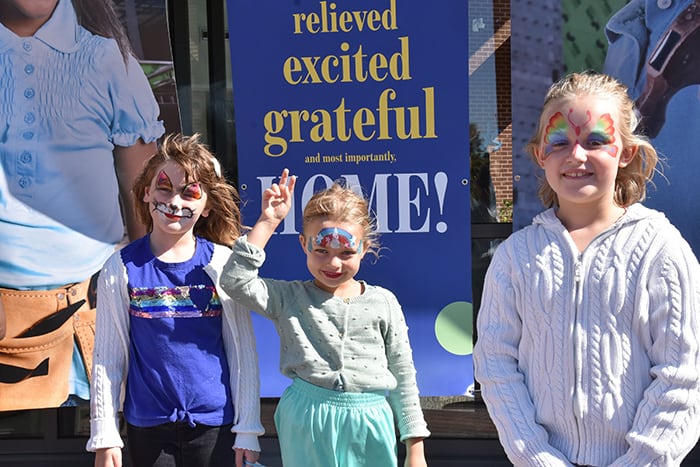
column 110, row 367
column 592, row 357
column 358, row 344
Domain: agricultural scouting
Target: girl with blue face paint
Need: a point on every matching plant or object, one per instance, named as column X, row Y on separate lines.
column 344, row 342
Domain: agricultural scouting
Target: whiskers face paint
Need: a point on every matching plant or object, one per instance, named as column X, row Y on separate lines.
column 171, row 212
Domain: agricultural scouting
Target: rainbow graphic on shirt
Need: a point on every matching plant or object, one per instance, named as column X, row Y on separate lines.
column 201, row 301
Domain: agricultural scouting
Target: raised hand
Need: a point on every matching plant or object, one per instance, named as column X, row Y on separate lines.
column 276, row 203
column 277, row 200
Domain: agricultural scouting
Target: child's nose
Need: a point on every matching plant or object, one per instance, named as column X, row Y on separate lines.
column 579, row 153
column 175, row 199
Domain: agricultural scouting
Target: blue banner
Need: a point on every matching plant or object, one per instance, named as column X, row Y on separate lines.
column 376, row 93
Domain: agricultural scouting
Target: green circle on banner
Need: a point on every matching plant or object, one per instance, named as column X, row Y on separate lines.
column 453, row 328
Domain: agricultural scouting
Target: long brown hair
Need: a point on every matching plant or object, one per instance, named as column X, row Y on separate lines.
column 223, row 224
column 100, row 18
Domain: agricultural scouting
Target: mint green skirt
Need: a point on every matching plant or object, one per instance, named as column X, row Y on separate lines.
column 318, row 427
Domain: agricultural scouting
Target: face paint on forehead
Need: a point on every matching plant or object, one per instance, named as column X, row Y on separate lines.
column 577, row 127
column 191, row 190
column 334, row 237
column 604, row 132
column 555, row 132
column 163, row 181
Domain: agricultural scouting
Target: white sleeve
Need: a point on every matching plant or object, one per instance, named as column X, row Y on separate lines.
column 110, row 360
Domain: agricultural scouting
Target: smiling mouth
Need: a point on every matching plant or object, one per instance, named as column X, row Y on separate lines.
column 577, row 174
column 332, row 275
column 174, row 214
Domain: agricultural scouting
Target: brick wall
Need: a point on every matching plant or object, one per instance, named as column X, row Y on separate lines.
column 490, row 93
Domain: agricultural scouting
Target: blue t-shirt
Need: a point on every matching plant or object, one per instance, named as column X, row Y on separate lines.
column 177, row 362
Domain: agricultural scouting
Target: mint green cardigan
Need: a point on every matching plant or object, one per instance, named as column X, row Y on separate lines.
column 355, row 345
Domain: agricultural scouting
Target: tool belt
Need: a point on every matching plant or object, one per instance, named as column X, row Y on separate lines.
column 37, row 351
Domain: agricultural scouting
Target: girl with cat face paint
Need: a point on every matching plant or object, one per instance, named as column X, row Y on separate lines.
column 185, row 350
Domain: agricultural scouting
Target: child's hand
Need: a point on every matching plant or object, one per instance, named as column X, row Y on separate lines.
column 415, row 454
column 276, row 203
column 108, row 457
column 277, row 200
column 246, row 457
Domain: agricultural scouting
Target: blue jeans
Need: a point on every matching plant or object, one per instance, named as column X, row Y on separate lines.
column 180, row 445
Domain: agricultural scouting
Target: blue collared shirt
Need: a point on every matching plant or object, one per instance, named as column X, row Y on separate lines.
column 66, row 99
column 633, row 34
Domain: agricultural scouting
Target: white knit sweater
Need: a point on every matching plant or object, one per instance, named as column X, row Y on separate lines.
column 110, row 366
column 592, row 358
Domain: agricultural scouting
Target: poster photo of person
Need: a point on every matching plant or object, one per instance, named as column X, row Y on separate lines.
column 653, row 47
column 86, row 86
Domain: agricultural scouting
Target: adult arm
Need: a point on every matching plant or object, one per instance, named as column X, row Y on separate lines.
column 128, row 163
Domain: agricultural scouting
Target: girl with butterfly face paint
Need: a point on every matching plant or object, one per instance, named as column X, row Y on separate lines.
column 165, row 327
column 344, row 342
column 588, row 348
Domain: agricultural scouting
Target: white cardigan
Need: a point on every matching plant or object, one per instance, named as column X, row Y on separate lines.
column 110, row 366
column 593, row 358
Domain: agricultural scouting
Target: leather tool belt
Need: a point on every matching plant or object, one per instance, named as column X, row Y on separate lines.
column 36, row 353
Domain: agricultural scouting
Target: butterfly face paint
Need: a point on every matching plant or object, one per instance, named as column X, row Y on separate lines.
column 601, row 135
column 334, row 237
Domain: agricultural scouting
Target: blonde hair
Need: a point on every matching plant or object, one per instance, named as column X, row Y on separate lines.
column 341, row 204
column 223, row 224
column 631, row 181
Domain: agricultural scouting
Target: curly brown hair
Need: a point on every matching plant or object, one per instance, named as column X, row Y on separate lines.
column 631, row 181
column 223, row 224
column 342, row 204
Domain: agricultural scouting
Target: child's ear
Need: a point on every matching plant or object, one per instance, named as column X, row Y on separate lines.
column 145, row 194
column 302, row 242
column 627, row 155
column 539, row 156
